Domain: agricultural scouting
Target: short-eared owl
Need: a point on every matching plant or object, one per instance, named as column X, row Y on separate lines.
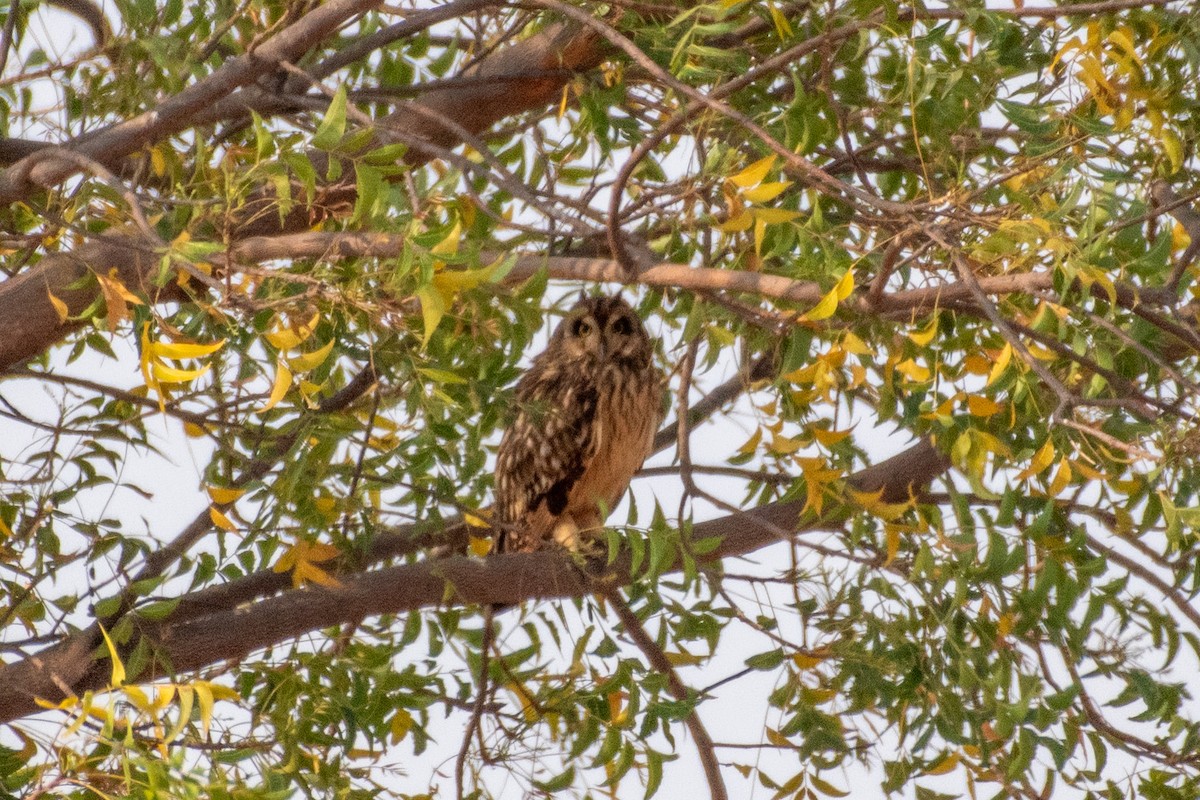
column 586, row 414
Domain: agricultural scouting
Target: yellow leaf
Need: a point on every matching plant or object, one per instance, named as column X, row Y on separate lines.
column 817, row 476
column 1041, row 353
column 845, row 287
column 616, row 713
column 449, row 245
column 118, row 669
column 1173, row 148
column 774, row 216
column 1180, row 238
column 753, row 173
column 477, row 521
column 301, row 558
column 784, row 445
column 809, row 660
column 452, row 281
column 682, row 658
column 945, row 765
column 737, row 223
column 400, row 724
column 145, row 355
column 433, row 308
column 829, row 303
column 1121, row 38
column 852, row 344
column 310, row 361
column 783, row 28
column 479, row 546
column 115, row 306
column 220, row 520
column 1087, row 471
column 776, row 738
column 224, row 496
column 926, row 334
column 293, row 336
column 528, row 707
column 766, row 192
column 913, row 371
column 829, row 438
column 182, row 350
column 947, row 406
column 163, row 695
column 981, row 406
column 283, row 382
column 823, row 309
column 167, row 374
column 1000, row 365
column 873, row 503
column 186, row 698
column 137, row 697
column 1041, row 459
column 319, row 551
column 441, row 375
column 60, row 307
column 205, row 698
column 1062, row 477
column 976, row 364
column 62, row 705
column 892, row 535
column 157, row 162
column 5, row 531
column 752, row 443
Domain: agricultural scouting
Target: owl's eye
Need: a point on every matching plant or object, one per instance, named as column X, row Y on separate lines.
column 581, row 327
column 622, row 326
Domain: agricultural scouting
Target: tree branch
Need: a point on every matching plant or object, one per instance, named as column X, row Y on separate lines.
column 68, row 668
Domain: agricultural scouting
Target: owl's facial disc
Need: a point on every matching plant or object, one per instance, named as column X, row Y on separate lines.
column 584, row 335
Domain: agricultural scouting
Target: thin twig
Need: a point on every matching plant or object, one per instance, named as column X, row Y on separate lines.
column 6, row 38
column 460, row 762
column 679, row 690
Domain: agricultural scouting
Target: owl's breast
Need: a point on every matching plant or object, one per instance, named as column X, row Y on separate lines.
column 627, row 417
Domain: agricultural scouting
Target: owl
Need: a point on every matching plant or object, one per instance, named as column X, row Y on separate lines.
column 586, row 414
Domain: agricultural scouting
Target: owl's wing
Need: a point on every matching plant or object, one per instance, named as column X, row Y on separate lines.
column 544, row 450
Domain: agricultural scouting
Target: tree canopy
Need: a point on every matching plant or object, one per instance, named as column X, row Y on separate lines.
column 923, row 518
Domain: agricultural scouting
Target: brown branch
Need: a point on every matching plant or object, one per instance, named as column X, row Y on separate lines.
column 67, row 668
column 1038, row 12
column 175, row 114
column 31, row 322
column 679, row 690
column 1165, row 196
column 331, row 245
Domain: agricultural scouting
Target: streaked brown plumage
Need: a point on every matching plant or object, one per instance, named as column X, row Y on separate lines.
column 586, row 414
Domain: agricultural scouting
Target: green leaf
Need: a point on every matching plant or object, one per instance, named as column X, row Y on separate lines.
column 333, row 125
column 768, row 660
column 558, row 782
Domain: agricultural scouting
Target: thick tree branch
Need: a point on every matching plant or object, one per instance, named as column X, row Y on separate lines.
column 331, row 245
column 177, row 113
column 503, row 580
